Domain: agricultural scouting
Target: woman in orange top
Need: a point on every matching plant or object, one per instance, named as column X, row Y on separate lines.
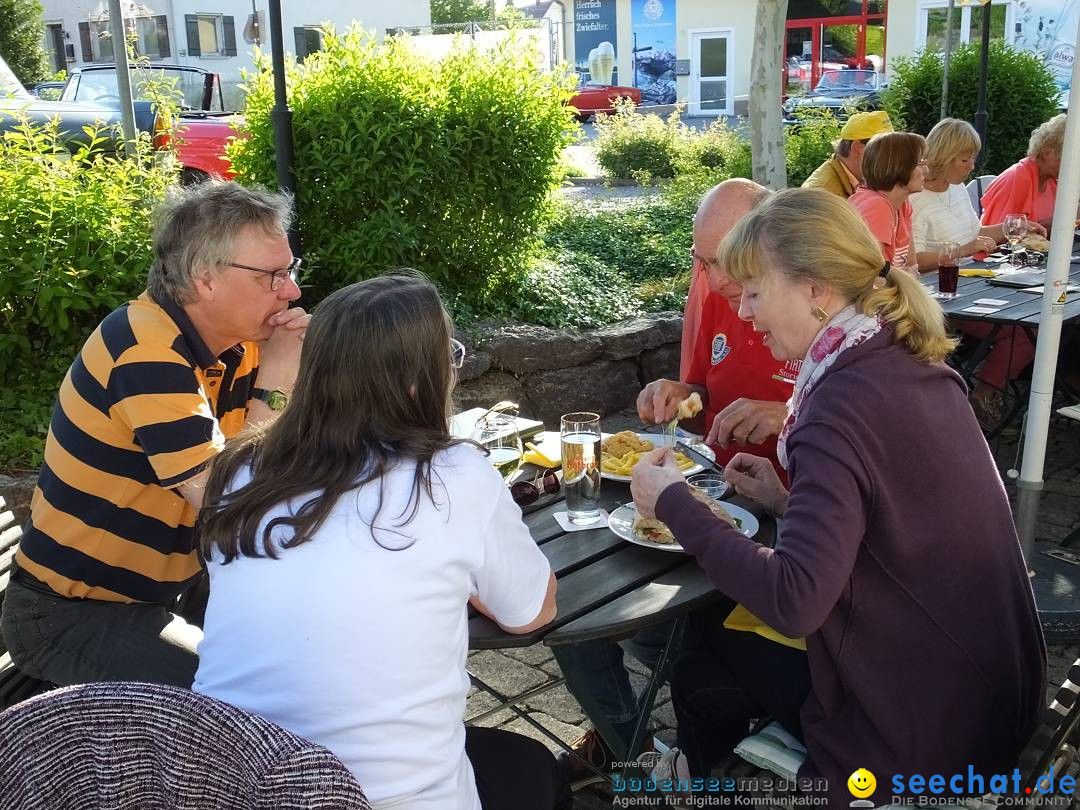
column 1030, row 186
column 893, row 169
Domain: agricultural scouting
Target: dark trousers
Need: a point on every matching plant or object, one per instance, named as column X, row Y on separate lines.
column 514, row 772
column 70, row 641
column 727, row 680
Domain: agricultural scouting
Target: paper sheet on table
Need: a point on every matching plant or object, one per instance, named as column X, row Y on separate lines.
column 1039, row 290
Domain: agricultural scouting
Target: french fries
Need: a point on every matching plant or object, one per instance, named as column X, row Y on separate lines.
column 623, row 465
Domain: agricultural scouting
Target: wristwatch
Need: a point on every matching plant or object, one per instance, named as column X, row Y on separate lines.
column 275, row 399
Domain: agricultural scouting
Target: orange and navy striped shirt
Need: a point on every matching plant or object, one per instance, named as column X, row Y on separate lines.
column 143, row 408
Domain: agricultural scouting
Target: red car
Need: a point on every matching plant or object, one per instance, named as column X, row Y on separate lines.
column 204, row 127
column 600, row 98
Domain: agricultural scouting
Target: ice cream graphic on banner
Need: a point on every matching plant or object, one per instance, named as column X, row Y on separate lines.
column 601, row 63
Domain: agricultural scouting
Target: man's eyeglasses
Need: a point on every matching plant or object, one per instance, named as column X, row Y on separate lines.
column 277, row 277
column 457, row 353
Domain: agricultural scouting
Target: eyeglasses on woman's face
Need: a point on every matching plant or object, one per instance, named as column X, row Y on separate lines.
column 457, row 353
column 277, row 277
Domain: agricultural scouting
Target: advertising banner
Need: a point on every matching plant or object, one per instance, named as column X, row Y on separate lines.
column 1048, row 29
column 653, row 25
column 595, row 37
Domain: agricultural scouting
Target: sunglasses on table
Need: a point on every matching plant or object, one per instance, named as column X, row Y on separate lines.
column 525, row 493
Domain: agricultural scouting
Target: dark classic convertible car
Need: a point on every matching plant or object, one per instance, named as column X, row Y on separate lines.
column 841, row 92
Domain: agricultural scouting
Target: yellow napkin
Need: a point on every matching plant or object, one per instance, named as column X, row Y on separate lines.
column 977, row 272
column 742, row 619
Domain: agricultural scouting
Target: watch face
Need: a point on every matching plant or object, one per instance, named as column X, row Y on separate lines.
column 277, row 401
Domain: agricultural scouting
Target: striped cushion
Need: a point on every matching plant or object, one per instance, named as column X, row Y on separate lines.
column 138, row 746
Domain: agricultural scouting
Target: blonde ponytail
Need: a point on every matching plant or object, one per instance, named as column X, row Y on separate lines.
column 814, row 235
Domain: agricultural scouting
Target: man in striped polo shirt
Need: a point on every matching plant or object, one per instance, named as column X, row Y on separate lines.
column 157, row 389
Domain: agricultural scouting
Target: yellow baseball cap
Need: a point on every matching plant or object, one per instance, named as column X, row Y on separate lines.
column 865, row 125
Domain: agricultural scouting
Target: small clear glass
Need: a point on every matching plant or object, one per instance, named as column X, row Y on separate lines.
column 497, row 432
column 708, row 484
column 580, row 434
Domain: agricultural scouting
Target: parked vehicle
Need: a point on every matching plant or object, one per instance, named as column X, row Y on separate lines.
column 840, row 92
column 205, row 125
column 600, row 98
column 90, row 100
column 49, row 91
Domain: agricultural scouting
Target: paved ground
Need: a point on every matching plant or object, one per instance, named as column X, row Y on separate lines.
column 514, row 671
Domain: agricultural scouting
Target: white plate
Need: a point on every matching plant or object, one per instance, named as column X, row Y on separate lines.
column 621, row 521
column 658, row 441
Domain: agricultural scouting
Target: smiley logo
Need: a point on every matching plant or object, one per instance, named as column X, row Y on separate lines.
column 861, row 783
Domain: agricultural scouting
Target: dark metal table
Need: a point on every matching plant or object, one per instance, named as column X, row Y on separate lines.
column 607, row 589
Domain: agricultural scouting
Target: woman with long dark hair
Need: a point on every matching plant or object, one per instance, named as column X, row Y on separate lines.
column 343, row 543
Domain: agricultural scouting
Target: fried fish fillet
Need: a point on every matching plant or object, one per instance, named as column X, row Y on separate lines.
column 689, row 406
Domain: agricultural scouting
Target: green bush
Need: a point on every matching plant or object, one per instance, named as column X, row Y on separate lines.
column 810, row 143
column 1020, row 95
column 76, row 236
column 401, row 160
column 22, row 31
column 639, row 147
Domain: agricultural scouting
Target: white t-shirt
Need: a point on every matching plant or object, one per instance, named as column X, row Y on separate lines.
column 942, row 216
column 362, row 649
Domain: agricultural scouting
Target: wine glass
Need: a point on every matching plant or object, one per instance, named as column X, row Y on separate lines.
column 496, row 431
column 1014, row 228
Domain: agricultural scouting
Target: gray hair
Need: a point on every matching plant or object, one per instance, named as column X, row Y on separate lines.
column 197, row 227
column 1048, row 137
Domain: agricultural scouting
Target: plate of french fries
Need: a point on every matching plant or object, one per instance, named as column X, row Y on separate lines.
column 621, row 451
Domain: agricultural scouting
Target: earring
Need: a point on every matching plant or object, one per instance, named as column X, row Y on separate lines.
column 819, row 313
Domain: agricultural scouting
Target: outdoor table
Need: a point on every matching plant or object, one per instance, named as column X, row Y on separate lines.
column 607, row 589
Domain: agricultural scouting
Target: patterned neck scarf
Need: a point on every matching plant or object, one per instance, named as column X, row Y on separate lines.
column 844, row 330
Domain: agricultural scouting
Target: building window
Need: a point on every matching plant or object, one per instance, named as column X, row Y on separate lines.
column 966, row 24
column 152, row 37
column 308, row 40
column 210, row 35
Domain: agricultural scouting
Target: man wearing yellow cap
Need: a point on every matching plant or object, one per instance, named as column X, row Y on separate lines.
column 842, row 173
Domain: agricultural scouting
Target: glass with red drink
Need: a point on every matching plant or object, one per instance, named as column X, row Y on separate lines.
column 948, row 268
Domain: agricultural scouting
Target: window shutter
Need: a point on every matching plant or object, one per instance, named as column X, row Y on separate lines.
column 229, row 25
column 300, row 35
column 163, row 35
column 191, row 21
column 84, row 38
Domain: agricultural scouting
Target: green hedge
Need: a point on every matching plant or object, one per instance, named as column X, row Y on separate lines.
column 1020, row 95
column 76, row 237
column 445, row 166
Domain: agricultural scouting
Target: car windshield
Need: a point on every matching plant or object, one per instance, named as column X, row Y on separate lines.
column 184, row 87
column 848, row 80
column 10, row 87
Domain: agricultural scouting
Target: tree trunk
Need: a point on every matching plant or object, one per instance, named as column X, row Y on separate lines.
column 766, row 121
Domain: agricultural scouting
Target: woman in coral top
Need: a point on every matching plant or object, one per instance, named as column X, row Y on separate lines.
column 893, row 170
column 1030, row 186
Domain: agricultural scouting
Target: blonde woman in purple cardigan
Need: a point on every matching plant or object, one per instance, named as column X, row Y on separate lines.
column 896, row 559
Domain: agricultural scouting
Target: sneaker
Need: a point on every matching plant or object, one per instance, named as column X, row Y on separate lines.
column 672, row 765
column 588, row 748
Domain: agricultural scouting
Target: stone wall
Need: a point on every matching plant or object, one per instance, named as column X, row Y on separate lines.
column 554, row 371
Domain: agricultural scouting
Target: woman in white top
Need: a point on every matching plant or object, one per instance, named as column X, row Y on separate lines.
column 942, row 212
column 344, row 543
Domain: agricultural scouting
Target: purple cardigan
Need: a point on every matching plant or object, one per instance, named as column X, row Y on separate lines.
column 898, row 561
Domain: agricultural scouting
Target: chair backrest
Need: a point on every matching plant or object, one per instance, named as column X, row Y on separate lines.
column 1052, row 744
column 124, row 746
column 976, row 188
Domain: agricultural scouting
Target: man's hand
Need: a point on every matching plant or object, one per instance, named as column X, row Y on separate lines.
column 659, row 400
column 747, row 421
column 755, row 477
column 279, row 356
column 654, row 473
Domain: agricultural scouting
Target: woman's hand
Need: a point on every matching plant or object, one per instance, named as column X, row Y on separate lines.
column 654, row 473
column 754, row 477
column 980, row 244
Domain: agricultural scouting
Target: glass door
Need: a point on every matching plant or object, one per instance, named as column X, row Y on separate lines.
column 798, row 60
column 710, row 78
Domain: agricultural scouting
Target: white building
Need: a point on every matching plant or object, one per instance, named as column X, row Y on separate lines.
column 217, row 35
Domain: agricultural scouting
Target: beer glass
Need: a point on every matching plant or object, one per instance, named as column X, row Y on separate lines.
column 580, row 434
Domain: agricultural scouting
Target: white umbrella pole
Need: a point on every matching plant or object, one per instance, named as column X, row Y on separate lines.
column 123, row 75
column 946, row 57
column 1053, row 306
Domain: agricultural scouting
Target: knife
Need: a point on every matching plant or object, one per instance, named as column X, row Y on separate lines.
column 700, row 458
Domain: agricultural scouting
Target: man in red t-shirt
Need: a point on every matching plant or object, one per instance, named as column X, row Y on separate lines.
column 743, row 387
